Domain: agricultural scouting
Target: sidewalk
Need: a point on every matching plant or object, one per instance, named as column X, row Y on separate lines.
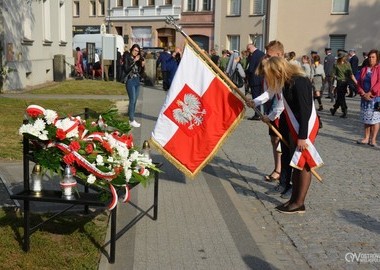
column 224, row 220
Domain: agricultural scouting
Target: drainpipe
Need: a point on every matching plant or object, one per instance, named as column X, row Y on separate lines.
column 266, row 23
column 109, row 17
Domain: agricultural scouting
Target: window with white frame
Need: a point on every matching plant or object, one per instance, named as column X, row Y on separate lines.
column 135, row 3
column 168, row 2
column 62, row 24
column 46, row 20
column 190, row 5
column 102, row 8
column 206, row 5
column 337, row 42
column 235, row 6
column 92, row 8
column 340, row 6
column 76, row 11
column 234, row 42
column 151, row 3
column 259, row 7
column 27, row 24
column 119, row 3
column 257, row 40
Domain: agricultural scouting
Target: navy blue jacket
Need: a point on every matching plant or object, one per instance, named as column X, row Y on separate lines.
column 162, row 59
column 253, row 62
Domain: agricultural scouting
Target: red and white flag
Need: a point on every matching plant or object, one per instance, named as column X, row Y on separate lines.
column 199, row 112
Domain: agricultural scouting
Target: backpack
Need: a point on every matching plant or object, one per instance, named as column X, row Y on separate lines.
column 236, row 78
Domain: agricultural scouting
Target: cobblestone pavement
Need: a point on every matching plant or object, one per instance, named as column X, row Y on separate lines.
column 343, row 212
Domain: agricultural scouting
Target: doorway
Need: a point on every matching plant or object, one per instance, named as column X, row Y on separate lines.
column 166, row 38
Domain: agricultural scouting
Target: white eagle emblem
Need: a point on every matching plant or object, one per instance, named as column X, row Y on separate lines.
column 189, row 111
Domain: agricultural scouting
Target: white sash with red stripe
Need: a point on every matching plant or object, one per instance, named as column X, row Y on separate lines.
column 310, row 155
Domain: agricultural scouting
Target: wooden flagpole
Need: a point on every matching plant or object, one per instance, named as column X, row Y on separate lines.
column 170, row 20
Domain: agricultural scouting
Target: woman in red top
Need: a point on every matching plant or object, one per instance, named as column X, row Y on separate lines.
column 369, row 90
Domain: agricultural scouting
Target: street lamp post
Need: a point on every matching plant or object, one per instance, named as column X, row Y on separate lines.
column 109, row 17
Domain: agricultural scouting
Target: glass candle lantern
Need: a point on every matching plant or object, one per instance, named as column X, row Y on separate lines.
column 68, row 184
column 146, row 149
column 36, row 177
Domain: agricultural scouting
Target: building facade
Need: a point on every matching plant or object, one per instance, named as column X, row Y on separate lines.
column 143, row 21
column 89, row 16
column 301, row 25
column 239, row 22
column 32, row 34
column 198, row 21
column 313, row 25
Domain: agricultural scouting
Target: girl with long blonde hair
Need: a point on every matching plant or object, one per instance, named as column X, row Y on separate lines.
column 289, row 81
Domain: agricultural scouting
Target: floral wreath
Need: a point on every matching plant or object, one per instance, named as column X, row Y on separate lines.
column 101, row 153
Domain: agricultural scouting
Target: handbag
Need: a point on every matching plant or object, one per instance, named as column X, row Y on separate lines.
column 237, row 79
column 376, row 106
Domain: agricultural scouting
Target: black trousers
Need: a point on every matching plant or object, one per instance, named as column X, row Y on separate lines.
column 341, row 90
column 165, row 80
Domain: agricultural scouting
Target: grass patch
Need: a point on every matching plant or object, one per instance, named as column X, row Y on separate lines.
column 71, row 241
column 83, row 87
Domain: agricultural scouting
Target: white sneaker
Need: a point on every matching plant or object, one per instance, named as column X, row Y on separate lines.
column 134, row 124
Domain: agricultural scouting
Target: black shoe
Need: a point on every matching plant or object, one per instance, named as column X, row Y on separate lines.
column 320, row 108
column 332, row 110
column 255, row 118
column 344, row 115
column 288, row 210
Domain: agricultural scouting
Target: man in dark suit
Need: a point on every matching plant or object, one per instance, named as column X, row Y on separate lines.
column 255, row 82
column 328, row 66
column 354, row 62
column 164, row 57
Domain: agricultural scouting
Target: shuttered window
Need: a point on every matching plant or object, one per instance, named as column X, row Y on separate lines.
column 234, row 42
column 190, row 5
column 235, row 7
column 206, row 5
column 258, row 41
column 337, row 42
column 259, row 7
column 340, row 6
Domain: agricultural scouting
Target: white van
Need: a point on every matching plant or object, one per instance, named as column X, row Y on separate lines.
column 80, row 41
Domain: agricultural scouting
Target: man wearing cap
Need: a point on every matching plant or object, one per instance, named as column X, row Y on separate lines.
column 328, row 66
column 354, row 62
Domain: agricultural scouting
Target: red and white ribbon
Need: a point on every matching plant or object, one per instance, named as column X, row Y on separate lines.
column 115, row 198
column 85, row 163
column 127, row 194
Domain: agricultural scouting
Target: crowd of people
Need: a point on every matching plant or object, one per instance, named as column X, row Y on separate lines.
column 89, row 66
column 285, row 90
